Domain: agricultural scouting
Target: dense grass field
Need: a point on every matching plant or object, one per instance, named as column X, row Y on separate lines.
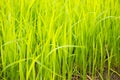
column 59, row 39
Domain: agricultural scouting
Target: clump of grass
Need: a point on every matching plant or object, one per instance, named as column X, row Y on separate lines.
column 59, row 40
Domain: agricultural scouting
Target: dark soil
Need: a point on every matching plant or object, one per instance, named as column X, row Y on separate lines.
column 113, row 76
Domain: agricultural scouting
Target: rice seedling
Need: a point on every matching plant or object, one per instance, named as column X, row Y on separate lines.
column 59, row 40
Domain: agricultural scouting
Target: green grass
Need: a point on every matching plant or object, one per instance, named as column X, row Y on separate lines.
column 56, row 39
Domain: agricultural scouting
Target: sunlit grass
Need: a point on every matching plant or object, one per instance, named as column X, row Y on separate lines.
column 59, row 39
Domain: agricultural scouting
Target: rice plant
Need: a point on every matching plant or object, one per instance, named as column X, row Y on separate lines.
column 59, row 40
